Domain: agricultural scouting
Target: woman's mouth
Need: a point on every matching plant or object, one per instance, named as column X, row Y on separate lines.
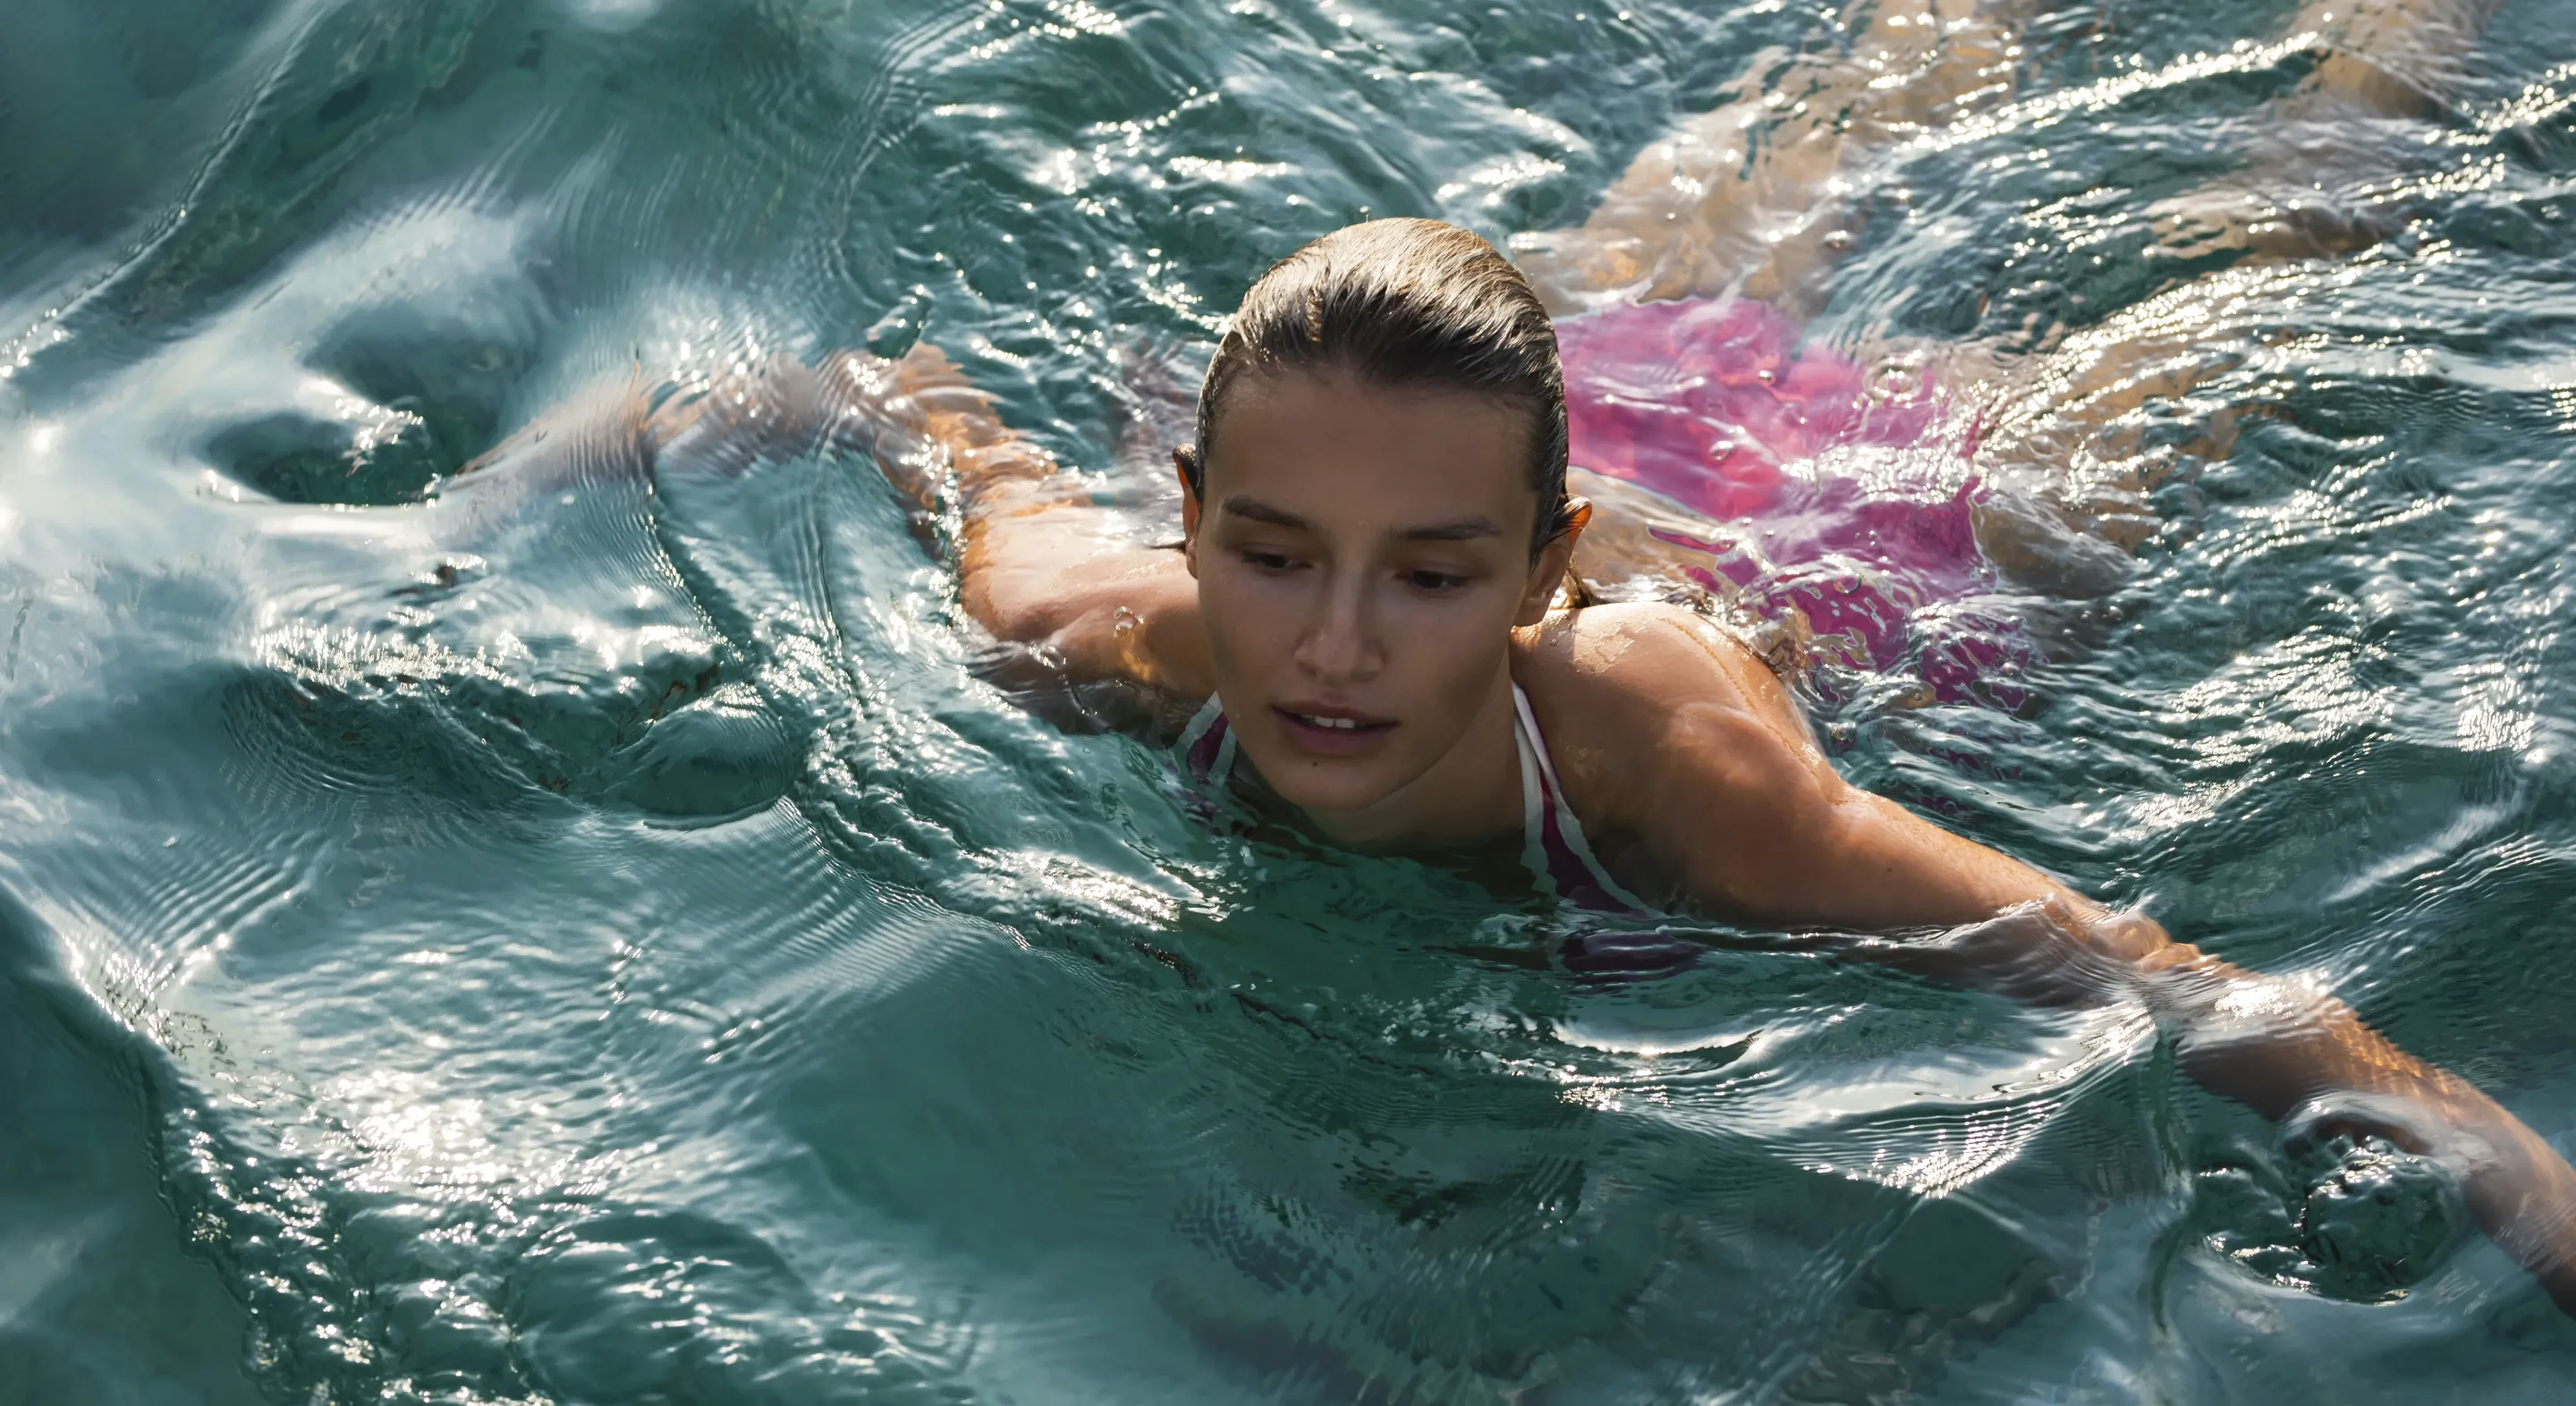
column 1330, row 731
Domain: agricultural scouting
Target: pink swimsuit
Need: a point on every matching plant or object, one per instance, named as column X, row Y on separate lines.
column 1842, row 501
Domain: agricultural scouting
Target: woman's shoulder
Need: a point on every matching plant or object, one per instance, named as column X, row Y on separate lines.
column 1640, row 652
column 1625, row 694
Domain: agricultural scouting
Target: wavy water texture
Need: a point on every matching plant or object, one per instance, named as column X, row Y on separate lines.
column 591, row 930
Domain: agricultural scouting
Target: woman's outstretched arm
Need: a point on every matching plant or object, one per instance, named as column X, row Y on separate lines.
column 1039, row 563
column 1702, row 757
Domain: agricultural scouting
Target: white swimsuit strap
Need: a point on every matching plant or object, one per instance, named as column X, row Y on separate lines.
column 1534, row 792
column 1210, row 714
column 1201, row 721
column 1568, row 828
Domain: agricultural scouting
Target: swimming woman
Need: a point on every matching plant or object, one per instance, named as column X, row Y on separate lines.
column 1380, row 619
column 1364, row 627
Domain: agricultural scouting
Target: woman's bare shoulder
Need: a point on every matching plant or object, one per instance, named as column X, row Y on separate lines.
column 1625, row 694
column 1637, row 652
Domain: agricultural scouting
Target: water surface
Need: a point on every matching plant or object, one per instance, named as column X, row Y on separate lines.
column 620, row 949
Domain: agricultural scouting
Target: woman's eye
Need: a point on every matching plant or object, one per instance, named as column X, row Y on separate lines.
column 1269, row 561
column 1434, row 581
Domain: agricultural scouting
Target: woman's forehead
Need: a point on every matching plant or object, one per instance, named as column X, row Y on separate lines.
column 1342, row 446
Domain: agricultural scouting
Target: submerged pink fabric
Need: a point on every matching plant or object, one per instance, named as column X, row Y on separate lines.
column 1713, row 404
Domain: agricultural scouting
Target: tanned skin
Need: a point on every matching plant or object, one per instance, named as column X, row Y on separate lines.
column 1362, row 557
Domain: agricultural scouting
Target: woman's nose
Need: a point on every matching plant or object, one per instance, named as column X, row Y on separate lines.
column 1341, row 641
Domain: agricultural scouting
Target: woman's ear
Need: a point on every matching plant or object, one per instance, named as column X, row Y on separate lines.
column 1185, row 463
column 1549, row 570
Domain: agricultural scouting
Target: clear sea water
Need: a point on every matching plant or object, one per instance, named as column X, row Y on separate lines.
column 623, row 951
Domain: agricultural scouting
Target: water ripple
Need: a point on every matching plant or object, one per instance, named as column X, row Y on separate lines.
column 587, row 928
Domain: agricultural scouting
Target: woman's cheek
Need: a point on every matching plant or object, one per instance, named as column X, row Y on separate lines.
column 1229, row 582
column 1247, row 614
column 1446, row 636
column 1261, row 598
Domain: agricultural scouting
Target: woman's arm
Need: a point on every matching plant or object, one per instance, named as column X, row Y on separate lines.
column 1732, row 796
column 1039, row 563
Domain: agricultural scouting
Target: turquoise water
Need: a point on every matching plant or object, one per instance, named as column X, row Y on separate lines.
column 619, row 949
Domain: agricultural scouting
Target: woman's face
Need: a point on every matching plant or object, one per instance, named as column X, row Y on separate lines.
column 1362, row 555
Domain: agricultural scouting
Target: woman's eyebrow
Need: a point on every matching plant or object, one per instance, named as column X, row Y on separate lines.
column 1464, row 529
column 1258, row 511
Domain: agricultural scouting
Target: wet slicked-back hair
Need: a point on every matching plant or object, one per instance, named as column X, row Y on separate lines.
column 1402, row 304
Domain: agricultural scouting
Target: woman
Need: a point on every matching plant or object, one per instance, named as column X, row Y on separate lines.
column 1364, row 627
column 1361, row 631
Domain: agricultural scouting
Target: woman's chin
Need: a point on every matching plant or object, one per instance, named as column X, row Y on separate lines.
column 1333, row 797
column 1328, row 787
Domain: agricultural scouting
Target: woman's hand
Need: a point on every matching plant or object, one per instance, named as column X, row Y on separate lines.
column 2301, row 1056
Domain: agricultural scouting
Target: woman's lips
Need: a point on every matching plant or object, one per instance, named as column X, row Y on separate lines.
column 1328, row 731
